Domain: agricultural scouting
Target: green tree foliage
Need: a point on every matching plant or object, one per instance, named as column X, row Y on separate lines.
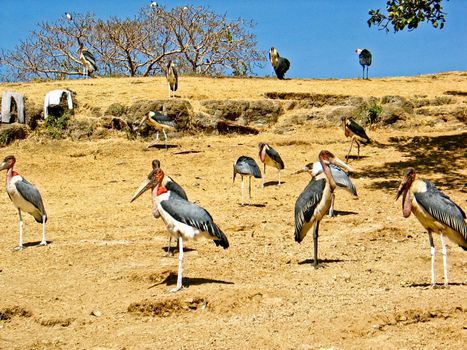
column 408, row 13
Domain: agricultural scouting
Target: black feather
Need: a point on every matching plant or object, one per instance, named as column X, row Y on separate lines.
column 306, row 204
column 247, row 166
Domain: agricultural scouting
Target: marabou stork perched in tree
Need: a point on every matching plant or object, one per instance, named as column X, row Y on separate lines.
column 364, row 57
column 436, row 212
column 69, row 16
column 246, row 166
column 88, row 60
column 340, row 176
column 184, row 220
column 269, row 156
column 168, row 183
column 315, row 200
column 356, row 132
column 160, row 122
column 280, row 64
column 172, row 78
column 25, row 197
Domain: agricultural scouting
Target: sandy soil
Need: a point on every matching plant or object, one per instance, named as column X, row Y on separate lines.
column 103, row 281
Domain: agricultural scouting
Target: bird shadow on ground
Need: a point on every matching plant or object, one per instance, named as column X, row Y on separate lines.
column 343, row 213
column 174, row 250
column 273, row 183
column 162, row 146
column 321, row 261
column 354, row 157
column 257, row 205
column 437, row 285
column 171, row 279
column 187, row 151
column 34, row 244
column 429, row 155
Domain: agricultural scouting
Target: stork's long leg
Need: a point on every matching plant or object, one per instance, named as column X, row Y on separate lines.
column 44, row 240
column 358, row 149
column 20, row 244
column 249, row 186
column 165, row 140
column 433, row 255
column 363, row 72
column 157, row 135
column 331, row 208
column 315, row 243
column 180, row 267
column 445, row 259
column 279, row 177
column 243, row 186
column 264, row 175
column 351, row 143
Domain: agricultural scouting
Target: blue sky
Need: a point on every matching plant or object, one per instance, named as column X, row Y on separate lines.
column 319, row 37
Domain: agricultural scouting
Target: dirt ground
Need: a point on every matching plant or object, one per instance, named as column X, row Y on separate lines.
column 103, row 281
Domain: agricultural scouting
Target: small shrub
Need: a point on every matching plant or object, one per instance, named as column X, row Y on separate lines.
column 373, row 113
column 56, row 126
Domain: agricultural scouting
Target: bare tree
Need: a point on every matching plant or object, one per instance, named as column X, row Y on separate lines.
column 198, row 39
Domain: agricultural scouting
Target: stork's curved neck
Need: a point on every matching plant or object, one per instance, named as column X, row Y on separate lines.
column 10, row 174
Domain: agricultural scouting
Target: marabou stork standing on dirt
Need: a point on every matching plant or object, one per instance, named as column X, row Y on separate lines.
column 356, row 132
column 184, row 220
column 341, row 178
column 315, row 200
column 168, row 183
column 436, row 212
column 160, row 122
column 269, row 156
column 246, row 166
column 25, row 197
column 280, row 64
column 364, row 57
column 172, row 78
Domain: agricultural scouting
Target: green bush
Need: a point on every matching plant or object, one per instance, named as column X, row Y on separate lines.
column 373, row 113
column 56, row 125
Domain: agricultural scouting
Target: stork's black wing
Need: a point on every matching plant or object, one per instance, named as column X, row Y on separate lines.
column 365, row 57
column 32, row 195
column 90, row 59
column 357, row 129
column 306, row 204
column 442, row 208
column 274, row 155
column 172, row 186
column 195, row 216
column 247, row 166
column 282, row 67
column 163, row 119
column 342, row 179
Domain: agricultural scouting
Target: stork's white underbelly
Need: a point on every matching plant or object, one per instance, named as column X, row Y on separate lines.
column 17, row 198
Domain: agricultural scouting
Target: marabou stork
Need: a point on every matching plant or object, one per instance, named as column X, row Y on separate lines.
column 69, row 16
column 246, row 166
column 341, row 178
column 280, row 64
column 364, row 57
column 168, row 183
column 184, row 220
column 25, row 197
column 172, row 78
column 356, row 132
column 436, row 212
column 160, row 122
column 315, row 200
column 154, row 5
column 269, row 156
column 88, row 60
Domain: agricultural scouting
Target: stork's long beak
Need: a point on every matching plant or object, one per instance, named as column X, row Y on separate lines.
column 340, row 163
column 303, row 170
column 146, row 185
column 401, row 188
column 3, row 166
